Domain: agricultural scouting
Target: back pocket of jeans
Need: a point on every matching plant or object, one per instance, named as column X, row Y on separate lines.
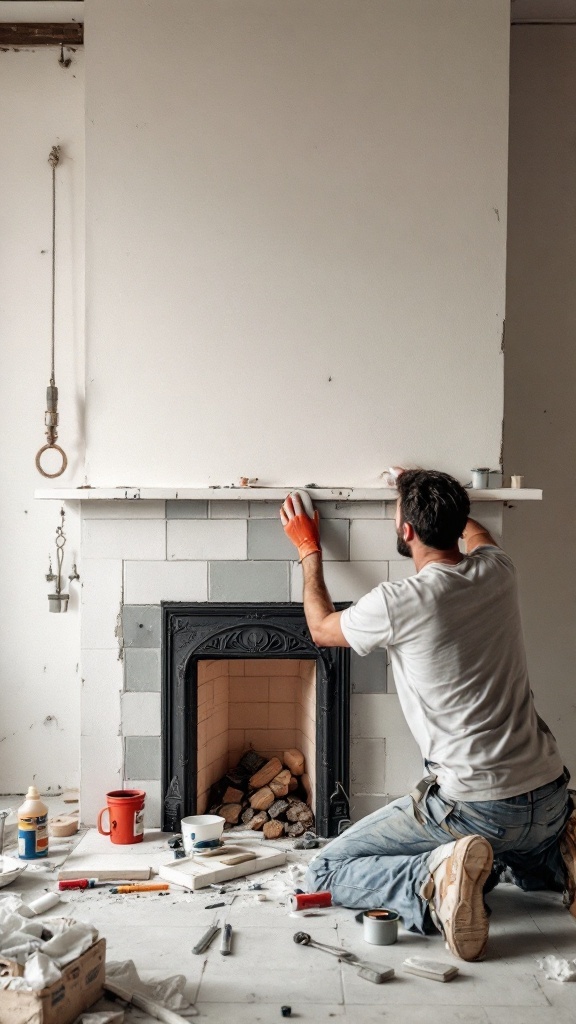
column 469, row 826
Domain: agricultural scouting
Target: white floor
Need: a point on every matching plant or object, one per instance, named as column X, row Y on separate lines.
column 267, row 969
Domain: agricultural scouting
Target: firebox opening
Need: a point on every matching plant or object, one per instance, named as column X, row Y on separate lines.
column 265, row 704
column 278, row 692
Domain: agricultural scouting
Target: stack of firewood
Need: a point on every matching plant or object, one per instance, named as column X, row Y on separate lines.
column 273, row 795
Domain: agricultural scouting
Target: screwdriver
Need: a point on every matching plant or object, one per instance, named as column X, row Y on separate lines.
column 80, row 883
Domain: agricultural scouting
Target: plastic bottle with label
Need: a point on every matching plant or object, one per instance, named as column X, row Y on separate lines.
column 32, row 827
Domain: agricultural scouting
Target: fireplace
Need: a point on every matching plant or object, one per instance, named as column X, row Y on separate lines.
column 219, row 642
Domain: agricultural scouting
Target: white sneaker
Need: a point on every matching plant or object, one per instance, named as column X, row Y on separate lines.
column 455, row 891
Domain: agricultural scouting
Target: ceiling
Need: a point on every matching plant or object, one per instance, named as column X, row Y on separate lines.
column 523, row 12
column 526, row 12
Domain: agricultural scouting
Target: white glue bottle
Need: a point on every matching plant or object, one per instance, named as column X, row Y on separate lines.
column 32, row 827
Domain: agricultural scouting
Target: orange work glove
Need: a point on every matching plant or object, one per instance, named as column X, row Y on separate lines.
column 303, row 531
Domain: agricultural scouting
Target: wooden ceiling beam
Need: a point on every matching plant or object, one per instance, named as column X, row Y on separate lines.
column 46, row 34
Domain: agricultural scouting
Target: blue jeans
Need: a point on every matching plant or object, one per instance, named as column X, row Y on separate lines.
column 382, row 860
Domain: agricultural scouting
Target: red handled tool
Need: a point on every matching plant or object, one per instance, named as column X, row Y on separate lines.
column 80, row 883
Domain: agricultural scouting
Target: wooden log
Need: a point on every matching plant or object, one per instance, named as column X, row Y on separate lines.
column 231, row 813
column 294, row 829
column 236, row 779
column 306, row 783
column 266, row 774
column 278, row 808
column 299, row 811
column 293, row 784
column 262, row 799
column 258, row 821
column 233, row 796
column 280, row 785
column 294, row 760
column 248, row 815
column 273, row 829
column 249, row 763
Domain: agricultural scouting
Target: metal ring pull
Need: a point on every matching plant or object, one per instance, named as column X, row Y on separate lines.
column 48, row 447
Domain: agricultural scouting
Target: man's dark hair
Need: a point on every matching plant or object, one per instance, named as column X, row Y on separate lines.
column 435, row 505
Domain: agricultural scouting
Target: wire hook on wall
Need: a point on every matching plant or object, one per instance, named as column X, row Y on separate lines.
column 58, row 602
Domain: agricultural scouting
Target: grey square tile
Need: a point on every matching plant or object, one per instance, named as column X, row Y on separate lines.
column 266, row 539
column 142, row 671
column 248, row 581
column 186, row 509
column 142, row 757
column 335, row 537
column 351, row 509
column 228, row 509
column 368, row 675
column 265, row 509
column 141, row 625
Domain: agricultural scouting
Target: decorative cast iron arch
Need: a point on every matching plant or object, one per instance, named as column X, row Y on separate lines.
column 196, row 632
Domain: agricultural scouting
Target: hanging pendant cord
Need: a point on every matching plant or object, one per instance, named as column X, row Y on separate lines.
column 51, row 419
column 53, row 160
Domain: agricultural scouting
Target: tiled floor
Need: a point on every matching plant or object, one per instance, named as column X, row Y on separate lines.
column 267, row 969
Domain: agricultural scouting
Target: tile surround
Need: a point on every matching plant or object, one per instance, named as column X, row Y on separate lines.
column 137, row 554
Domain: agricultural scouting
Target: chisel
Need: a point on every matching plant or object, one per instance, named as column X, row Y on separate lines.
column 226, row 940
column 202, row 945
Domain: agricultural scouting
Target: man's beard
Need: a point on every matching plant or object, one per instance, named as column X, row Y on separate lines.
column 401, row 545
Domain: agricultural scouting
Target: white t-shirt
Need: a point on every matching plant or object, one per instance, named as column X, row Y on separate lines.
column 456, row 647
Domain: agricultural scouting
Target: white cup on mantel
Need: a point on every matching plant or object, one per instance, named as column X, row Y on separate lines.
column 480, row 478
column 517, row 482
column 201, row 832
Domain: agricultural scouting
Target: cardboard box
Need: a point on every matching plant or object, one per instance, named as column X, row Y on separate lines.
column 81, row 984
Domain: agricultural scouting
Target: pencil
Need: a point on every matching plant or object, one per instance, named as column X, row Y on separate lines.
column 146, row 887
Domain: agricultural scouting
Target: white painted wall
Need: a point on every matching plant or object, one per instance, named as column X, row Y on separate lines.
column 42, row 105
column 540, row 416
column 296, row 238
column 277, row 193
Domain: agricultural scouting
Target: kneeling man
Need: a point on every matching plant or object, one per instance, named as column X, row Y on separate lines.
column 496, row 785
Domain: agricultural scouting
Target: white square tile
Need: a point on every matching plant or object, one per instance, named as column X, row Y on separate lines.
column 120, row 509
column 209, row 539
column 375, row 715
column 362, row 804
column 368, row 766
column 101, row 752
column 346, row 581
column 404, row 764
column 101, row 601
column 489, row 514
column 153, row 582
column 102, row 679
column 124, row 538
column 372, row 540
column 368, row 715
column 100, row 771
column 141, row 714
column 401, row 570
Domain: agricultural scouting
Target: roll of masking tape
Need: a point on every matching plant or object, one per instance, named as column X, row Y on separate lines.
column 44, row 903
column 380, row 927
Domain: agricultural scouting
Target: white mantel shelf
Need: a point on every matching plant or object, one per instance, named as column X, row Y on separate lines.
column 505, row 494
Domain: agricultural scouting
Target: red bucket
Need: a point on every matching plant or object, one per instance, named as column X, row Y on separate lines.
column 126, row 811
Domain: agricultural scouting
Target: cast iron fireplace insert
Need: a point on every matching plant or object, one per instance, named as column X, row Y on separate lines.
column 195, row 632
